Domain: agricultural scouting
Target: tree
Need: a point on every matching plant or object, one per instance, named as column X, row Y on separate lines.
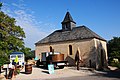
column 114, row 51
column 0, row 5
column 114, row 48
column 11, row 36
column 3, row 59
column 28, row 53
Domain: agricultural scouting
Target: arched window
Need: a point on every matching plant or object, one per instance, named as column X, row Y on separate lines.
column 50, row 49
column 70, row 49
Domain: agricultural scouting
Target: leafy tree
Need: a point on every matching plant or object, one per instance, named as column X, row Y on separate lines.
column 0, row 5
column 11, row 36
column 3, row 59
column 114, row 48
column 28, row 53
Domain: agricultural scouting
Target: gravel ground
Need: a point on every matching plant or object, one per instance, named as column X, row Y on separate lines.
column 68, row 73
column 41, row 73
column 85, row 78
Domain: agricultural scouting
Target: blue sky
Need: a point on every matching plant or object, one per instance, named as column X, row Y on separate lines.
column 39, row 18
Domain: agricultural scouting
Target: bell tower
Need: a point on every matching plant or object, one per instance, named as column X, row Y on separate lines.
column 68, row 23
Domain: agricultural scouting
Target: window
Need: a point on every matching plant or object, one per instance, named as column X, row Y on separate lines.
column 12, row 56
column 50, row 49
column 19, row 56
column 66, row 27
column 70, row 49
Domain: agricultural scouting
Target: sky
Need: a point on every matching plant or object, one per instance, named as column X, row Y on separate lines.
column 39, row 18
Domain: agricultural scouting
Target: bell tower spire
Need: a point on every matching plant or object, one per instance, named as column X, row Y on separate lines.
column 68, row 23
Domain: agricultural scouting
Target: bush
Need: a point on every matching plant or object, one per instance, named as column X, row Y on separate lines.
column 115, row 63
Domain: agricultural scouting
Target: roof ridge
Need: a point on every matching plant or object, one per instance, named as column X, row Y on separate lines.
column 68, row 18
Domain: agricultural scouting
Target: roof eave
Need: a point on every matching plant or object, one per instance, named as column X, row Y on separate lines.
column 70, row 40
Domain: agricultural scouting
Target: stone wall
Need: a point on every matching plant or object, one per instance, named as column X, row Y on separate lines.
column 101, row 51
column 88, row 50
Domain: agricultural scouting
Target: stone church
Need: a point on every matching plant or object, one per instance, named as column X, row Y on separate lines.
column 70, row 39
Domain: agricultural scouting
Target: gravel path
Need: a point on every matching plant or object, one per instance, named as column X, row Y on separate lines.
column 41, row 74
column 68, row 73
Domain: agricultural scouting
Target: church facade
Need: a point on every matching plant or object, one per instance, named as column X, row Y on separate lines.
column 70, row 39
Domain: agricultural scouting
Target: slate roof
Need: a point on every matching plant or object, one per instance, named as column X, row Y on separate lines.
column 77, row 33
column 68, row 18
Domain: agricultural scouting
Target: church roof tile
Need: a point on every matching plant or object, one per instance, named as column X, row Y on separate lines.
column 77, row 33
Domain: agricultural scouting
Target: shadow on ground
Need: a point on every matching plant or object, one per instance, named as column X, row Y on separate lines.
column 110, row 74
column 46, row 72
column 113, row 74
column 23, row 72
column 45, row 68
column 42, row 67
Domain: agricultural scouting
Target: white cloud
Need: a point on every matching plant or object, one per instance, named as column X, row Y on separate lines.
column 20, row 6
column 27, row 22
column 35, row 30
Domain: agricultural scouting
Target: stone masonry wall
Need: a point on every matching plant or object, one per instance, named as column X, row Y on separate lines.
column 87, row 49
